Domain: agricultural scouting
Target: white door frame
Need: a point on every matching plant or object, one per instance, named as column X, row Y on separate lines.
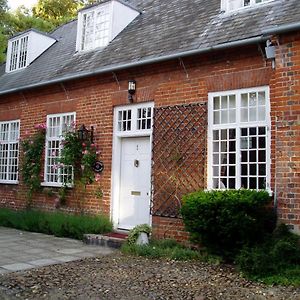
column 120, row 132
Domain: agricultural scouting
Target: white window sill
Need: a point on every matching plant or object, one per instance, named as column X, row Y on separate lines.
column 54, row 184
column 9, row 182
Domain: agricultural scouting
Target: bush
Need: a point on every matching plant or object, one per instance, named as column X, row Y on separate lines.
column 278, row 255
column 58, row 224
column 225, row 221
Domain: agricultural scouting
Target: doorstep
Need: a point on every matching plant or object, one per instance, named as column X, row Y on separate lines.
column 112, row 240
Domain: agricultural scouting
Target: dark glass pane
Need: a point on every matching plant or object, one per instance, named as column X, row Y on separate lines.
column 262, row 169
column 253, row 143
column 262, row 142
column 244, row 182
column 232, row 158
column 252, row 156
column 262, row 156
column 216, row 135
column 252, row 131
column 252, row 183
column 262, row 183
column 231, row 183
column 232, row 133
column 262, row 130
column 231, row 171
column 252, row 169
column 244, row 156
column 232, row 146
column 224, row 134
column 244, row 132
column 244, row 169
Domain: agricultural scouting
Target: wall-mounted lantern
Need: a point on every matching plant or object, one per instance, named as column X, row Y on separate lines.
column 84, row 134
column 270, row 50
column 131, row 90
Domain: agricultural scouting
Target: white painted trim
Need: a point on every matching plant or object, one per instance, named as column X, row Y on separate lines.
column 253, row 4
column 116, row 156
column 46, row 183
column 12, row 142
column 238, row 125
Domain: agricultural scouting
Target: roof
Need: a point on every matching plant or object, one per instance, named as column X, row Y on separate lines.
column 30, row 30
column 163, row 30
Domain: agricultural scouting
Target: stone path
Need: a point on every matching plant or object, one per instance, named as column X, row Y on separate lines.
column 21, row 250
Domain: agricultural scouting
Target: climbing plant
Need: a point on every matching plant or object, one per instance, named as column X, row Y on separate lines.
column 31, row 167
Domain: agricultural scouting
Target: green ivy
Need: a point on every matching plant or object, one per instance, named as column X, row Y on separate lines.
column 31, row 166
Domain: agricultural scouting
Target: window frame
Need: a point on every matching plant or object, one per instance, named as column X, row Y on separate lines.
column 238, row 125
column 20, row 53
column 10, row 142
column 80, row 29
column 134, row 130
column 60, row 139
column 225, row 5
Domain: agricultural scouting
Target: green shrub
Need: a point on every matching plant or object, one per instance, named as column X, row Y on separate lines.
column 279, row 254
column 225, row 221
column 58, row 224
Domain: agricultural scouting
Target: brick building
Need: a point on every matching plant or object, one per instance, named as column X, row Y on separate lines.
column 217, row 105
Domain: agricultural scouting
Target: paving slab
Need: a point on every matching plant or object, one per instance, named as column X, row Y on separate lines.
column 20, row 250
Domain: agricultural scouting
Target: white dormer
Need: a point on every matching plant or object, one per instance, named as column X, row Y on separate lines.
column 100, row 24
column 24, row 48
column 230, row 5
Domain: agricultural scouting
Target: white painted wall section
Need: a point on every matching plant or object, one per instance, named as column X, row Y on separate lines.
column 123, row 15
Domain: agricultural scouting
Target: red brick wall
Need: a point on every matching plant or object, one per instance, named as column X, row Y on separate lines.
column 285, row 112
column 93, row 100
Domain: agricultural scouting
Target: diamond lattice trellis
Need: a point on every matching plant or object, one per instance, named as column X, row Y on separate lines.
column 179, row 152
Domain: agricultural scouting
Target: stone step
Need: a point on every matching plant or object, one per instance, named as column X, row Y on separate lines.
column 112, row 240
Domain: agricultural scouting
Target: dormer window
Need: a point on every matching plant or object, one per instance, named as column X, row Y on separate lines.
column 24, row 48
column 101, row 23
column 19, row 53
column 96, row 28
column 230, row 5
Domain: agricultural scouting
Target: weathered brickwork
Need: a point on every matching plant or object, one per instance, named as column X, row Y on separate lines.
column 169, row 84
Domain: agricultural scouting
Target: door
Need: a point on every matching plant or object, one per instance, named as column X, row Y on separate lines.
column 135, row 181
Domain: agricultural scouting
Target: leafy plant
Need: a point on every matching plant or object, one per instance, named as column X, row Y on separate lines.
column 58, row 224
column 225, row 221
column 279, row 254
column 167, row 249
column 136, row 231
column 31, row 167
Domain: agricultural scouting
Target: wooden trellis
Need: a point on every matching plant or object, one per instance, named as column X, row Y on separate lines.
column 179, row 156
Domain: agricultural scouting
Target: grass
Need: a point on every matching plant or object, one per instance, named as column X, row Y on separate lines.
column 58, row 224
column 288, row 277
column 168, row 249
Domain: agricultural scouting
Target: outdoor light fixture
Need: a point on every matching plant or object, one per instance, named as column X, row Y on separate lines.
column 131, row 90
column 84, row 134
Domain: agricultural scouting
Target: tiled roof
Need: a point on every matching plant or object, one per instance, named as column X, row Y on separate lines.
column 163, row 28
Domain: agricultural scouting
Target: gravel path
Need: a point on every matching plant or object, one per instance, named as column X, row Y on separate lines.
column 130, row 278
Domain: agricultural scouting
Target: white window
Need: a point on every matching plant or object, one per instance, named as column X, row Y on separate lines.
column 239, row 139
column 95, row 27
column 134, row 119
column 57, row 125
column 9, row 151
column 18, row 53
column 229, row 5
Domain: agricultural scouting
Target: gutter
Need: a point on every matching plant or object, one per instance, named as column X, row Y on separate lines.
column 265, row 36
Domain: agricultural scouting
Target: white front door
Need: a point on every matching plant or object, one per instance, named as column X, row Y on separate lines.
column 135, row 182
